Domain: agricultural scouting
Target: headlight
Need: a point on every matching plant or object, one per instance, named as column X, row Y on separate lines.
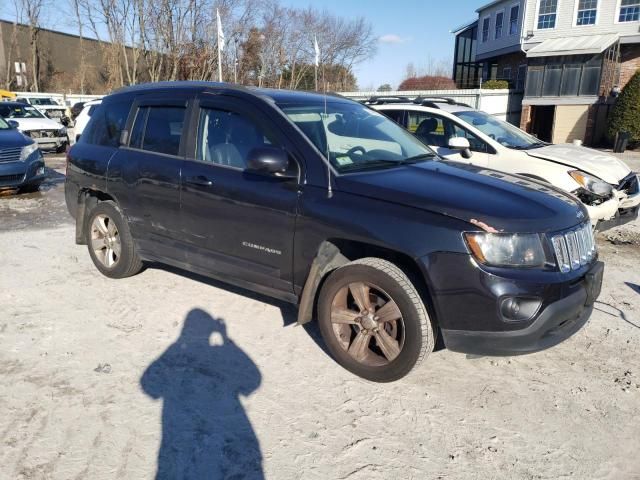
column 506, row 249
column 27, row 150
column 63, row 131
column 592, row 184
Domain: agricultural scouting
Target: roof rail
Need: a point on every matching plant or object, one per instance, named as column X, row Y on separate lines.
column 382, row 99
column 428, row 101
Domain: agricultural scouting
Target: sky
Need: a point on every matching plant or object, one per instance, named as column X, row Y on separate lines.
column 408, row 31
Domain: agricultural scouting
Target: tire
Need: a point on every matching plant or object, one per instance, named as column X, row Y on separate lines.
column 104, row 229
column 411, row 334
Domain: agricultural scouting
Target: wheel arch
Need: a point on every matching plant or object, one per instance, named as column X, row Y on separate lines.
column 88, row 198
column 336, row 252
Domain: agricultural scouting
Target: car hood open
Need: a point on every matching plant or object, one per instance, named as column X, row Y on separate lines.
column 602, row 165
column 505, row 202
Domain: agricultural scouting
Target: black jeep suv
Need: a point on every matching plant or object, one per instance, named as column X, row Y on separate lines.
column 329, row 205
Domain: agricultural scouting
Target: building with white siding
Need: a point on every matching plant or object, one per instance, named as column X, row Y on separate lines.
column 569, row 57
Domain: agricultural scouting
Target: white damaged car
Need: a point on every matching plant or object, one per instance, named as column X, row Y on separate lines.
column 47, row 133
column 605, row 184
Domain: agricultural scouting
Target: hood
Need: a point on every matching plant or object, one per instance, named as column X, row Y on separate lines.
column 13, row 138
column 25, row 124
column 505, row 202
column 602, row 165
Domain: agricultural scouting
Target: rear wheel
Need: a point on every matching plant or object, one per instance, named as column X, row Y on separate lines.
column 373, row 320
column 110, row 243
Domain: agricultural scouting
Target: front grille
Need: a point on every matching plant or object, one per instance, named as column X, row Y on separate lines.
column 630, row 184
column 574, row 248
column 10, row 154
column 11, row 178
column 55, row 113
column 42, row 133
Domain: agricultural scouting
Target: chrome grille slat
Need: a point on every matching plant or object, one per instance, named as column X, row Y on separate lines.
column 10, row 154
column 574, row 248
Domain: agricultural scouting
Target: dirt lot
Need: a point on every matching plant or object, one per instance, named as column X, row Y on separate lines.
column 170, row 373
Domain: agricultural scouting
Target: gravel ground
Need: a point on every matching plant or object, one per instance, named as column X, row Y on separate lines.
column 172, row 374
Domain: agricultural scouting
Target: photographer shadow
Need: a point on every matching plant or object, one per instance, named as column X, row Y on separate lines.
column 205, row 430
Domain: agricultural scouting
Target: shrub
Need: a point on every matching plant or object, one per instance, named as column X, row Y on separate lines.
column 625, row 115
column 495, row 84
column 428, row 82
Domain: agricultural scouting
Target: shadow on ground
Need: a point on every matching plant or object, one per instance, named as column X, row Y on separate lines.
column 205, row 430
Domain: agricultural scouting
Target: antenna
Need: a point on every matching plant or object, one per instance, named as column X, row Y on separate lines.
column 324, row 88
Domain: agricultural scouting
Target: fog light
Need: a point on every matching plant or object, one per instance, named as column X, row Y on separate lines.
column 517, row 309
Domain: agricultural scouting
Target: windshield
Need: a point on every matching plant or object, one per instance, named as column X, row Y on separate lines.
column 354, row 137
column 502, row 132
column 42, row 101
column 4, row 125
column 22, row 111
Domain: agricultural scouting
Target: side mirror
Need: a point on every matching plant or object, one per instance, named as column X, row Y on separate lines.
column 268, row 160
column 462, row 144
column 13, row 124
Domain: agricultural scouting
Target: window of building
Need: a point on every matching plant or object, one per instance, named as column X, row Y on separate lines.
column 513, row 19
column 629, row 11
column 466, row 70
column 522, row 75
column 485, row 29
column 564, row 76
column 158, row 129
column 499, row 22
column 587, row 11
column 547, row 14
column 506, row 73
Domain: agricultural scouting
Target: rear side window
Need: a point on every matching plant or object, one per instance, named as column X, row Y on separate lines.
column 395, row 115
column 158, row 129
column 106, row 124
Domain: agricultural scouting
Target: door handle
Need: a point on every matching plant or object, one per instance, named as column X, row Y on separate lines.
column 199, row 180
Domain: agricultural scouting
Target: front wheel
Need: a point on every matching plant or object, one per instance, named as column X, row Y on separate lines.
column 373, row 320
column 110, row 243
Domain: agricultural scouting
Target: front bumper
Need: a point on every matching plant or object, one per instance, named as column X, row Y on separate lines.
column 554, row 324
column 468, row 303
column 49, row 143
column 21, row 174
column 620, row 209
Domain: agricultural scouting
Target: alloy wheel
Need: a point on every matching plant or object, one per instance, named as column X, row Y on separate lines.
column 105, row 240
column 367, row 324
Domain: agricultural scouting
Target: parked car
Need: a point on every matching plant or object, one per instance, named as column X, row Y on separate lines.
column 327, row 204
column 21, row 162
column 47, row 133
column 50, row 108
column 84, row 116
column 605, row 184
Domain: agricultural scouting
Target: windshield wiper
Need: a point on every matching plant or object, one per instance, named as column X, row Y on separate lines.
column 529, row 147
column 370, row 164
column 416, row 158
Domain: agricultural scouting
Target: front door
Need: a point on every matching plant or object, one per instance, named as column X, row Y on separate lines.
column 238, row 224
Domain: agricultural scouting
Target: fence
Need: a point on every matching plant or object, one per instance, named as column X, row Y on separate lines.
column 504, row 104
column 62, row 98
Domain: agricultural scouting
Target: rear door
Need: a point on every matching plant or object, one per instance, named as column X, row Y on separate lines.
column 150, row 166
column 238, row 224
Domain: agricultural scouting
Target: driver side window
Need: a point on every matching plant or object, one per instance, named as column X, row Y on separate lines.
column 226, row 138
column 436, row 131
